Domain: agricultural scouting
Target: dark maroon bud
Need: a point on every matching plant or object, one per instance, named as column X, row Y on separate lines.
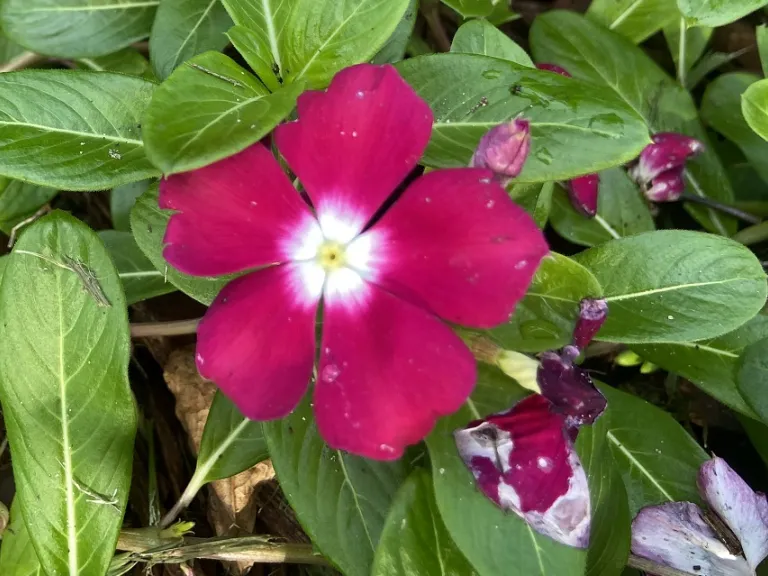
column 592, row 314
column 582, row 192
column 570, row 389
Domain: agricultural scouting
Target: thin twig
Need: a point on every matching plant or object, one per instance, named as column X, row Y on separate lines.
column 21, row 61
column 651, row 567
column 15, row 230
column 431, row 12
column 720, row 207
column 154, row 329
column 681, row 57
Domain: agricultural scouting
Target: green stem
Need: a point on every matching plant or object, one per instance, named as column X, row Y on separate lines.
column 153, row 329
column 753, row 234
column 195, row 484
column 21, row 61
column 681, row 64
column 719, row 206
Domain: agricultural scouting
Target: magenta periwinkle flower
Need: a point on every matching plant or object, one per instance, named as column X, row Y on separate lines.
column 378, row 283
column 504, row 149
column 660, row 168
column 679, row 535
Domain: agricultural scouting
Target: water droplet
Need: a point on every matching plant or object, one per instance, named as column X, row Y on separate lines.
column 522, row 264
column 670, row 317
column 485, row 180
column 327, row 350
column 360, row 94
column 239, row 120
column 544, row 464
column 200, row 359
column 82, row 143
column 253, row 126
column 490, row 204
column 442, row 471
column 114, row 154
column 491, row 74
column 343, row 133
column 427, row 199
column 254, row 203
column 386, row 448
column 354, row 134
column 330, row 373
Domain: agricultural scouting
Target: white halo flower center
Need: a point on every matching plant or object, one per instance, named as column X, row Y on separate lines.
column 331, row 255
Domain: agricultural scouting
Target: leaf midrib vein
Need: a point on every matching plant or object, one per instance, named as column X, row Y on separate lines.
column 671, row 289
column 631, row 457
column 73, row 132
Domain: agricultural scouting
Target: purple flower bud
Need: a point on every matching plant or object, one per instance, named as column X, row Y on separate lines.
column 592, row 314
column 569, row 389
column 504, row 149
column 582, row 192
column 667, row 186
column 524, row 461
column 668, row 151
column 554, row 68
column 743, row 510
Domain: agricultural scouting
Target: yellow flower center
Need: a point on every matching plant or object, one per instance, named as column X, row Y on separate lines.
column 331, row 255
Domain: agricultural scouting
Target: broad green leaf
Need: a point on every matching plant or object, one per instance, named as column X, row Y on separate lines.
column 73, row 129
column 758, row 435
column 231, row 443
column 128, row 61
column 226, row 110
column 19, row 200
column 310, row 40
column 717, row 12
column 710, row 62
column 8, row 49
column 474, row 8
column 141, row 280
column 670, row 286
column 252, row 47
column 593, row 53
column 121, row 202
column 535, row 198
column 17, row 556
column 658, row 459
column 610, row 534
column 67, row 404
column 186, row 28
column 694, row 42
column 482, row 37
column 762, row 46
column 3, row 263
column 341, row 500
column 495, row 542
column 754, row 106
column 564, row 144
column 753, row 377
column 621, row 211
column 711, row 364
column 148, row 223
column 414, row 539
column 634, row 19
column 77, row 28
column 394, row 50
column 721, row 109
column 501, row 14
column 546, row 317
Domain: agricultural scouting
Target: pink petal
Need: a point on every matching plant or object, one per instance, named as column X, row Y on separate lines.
column 354, row 144
column 456, row 244
column 669, row 150
column 235, row 214
column 677, row 535
column 387, row 371
column 583, row 192
column 524, row 461
column 257, row 341
column 744, row 511
column 667, row 186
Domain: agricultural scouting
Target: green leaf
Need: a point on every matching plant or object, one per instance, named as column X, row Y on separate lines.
column 414, row 539
column 695, row 42
column 710, row 62
column 711, row 364
column 610, row 534
column 17, row 556
column 141, row 280
column 604, row 133
column 494, row 541
column 758, row 435
column 77, row 28
column 252, row 48
column 341, row 500
column 634, row 19
column 121, row 202
column 474, row 8
column 546, row 317
column 3, row 263
column 717, row 12
column 535, row 198
column 8, row 49
column 753, row 377
column 67, row 403
column 19, row 200
column 186, row 28
column 128, row 61
column 227, row 109
column 670, row 286
column 72, row 129
column 394, row 50
column 231, row 443
column 754, row 106
column 148, row 223
column 657, row 458
column 311, row 40
column 762, row 46
column 593, row 53
column 720, row 108
column 482, row 37
column 621, row 211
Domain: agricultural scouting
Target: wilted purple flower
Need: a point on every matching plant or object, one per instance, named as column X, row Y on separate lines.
column 678, row 534
column 504, row 149
column 659, row 169
column 524, row 461
column 667, row 186
column 592, row 314
column 569, row 388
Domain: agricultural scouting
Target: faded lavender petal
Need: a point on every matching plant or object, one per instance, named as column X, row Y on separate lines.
column 592, row 314
column 524, row 461
column 669, row 150
column 504, row 149
column 676, row 535
column 743, row 510
column 667, row 187
column 583, row 192
column 569, row 389
column 554, row 68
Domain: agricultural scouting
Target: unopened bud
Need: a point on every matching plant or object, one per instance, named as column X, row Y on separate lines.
column 504, row 149
column 522, row 368
column 627, row 358
column 553, row 68
column 582, row 192
column 592, row 314
column 669, row 150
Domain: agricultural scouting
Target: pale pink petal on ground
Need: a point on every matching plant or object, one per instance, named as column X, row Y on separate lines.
column 742, row 509
column 677, row 535
column 387, row 371
column 354, row 144
column 232, row 215
column 257, row 340
column 456, row 244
